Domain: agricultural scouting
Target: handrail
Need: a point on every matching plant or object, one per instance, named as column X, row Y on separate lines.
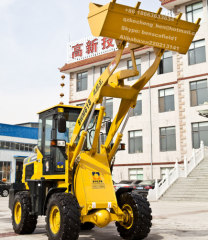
column 178, row 171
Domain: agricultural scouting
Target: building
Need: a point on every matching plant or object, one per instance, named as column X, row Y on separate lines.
column 16, row 143
column 165, row 125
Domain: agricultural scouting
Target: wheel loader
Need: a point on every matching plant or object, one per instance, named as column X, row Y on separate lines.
column 69, row 178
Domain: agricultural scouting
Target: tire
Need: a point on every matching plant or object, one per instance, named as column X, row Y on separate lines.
column 5, row 193
column 63, row 217
column 87, row 226
column 138, row 212
column 23, row 222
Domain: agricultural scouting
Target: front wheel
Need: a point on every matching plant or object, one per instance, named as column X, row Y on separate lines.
column 22, row 220
column 63, row 217
column 137, row 223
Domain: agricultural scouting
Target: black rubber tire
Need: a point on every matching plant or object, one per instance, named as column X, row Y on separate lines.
column 141, row 217
column 5, row 193
column 28, row 221
column 87, row 226
column 69, row 214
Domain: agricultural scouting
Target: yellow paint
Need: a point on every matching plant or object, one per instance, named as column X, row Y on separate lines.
column 61, row 184
column 54, row 219
column 141, row 27
column 87, row 189
column 17, row 212
column 60, row 110
column 129, row 216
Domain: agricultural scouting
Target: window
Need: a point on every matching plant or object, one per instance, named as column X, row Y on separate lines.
column 194, row 11
column 109, row 108
column 16, row 146
column 166, row 63
column 5, row 171
column 135, row 141
column 40, row 134
column 166, row 100
column 102, row 69
column 167, row 139
column 82, row 81
column 136, row 173
column 196, row 53
column 198, row 92
column 48, row 130
column 199, row 133
column 138, row 109
column 138, row 64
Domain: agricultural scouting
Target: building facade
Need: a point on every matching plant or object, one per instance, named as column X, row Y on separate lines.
column 165, row 125
column 16, row 143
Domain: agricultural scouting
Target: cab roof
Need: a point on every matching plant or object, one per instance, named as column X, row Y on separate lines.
column 60, row 106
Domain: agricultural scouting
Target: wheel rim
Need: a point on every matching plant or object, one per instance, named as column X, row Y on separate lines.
column 129, row 216
column 55, row 219
column 17, row 212
column 5, row 193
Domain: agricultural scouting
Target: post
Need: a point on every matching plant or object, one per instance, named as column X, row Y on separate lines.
column 177, row 168
column 194, row 157
column 167, row 177
column 202, row 149
column 185, row 166
column 156, row 189
column 150, row 103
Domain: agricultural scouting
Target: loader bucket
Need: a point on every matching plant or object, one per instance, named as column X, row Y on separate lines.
column 141, row 27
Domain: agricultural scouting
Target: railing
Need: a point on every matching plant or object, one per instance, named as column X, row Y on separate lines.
column 182, row 170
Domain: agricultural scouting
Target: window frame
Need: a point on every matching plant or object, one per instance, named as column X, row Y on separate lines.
column 198, row 131
column 165, row 97
column 161, row 65
column 80, row 80
column 166, row 139
column 134, row 138
column 193, row 51
column 193, row 10
column 137, row 173
column 196, row 90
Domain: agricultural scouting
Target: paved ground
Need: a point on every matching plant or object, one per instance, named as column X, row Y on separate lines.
column 171, row 221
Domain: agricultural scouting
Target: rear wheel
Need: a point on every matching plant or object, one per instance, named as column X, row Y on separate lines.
column 22, row 220
column 87, row 226
column 137, row 223
column 63, row 217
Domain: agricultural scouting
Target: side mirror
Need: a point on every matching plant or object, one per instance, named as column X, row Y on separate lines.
column 61, row 123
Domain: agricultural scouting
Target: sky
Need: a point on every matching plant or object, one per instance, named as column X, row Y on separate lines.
column 33, row 45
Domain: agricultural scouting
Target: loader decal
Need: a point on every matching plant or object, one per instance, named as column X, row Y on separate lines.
column 97, row 182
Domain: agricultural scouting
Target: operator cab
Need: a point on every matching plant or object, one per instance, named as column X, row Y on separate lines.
column 56, row 126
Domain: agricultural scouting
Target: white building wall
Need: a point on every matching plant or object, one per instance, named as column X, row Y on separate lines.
column 9, row 155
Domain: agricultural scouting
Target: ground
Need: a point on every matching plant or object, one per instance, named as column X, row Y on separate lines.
column 171, row 221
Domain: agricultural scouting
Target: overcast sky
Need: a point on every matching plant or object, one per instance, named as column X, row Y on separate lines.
column 33, row 40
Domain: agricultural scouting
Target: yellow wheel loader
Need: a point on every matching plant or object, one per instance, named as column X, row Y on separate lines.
column 69, row 178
